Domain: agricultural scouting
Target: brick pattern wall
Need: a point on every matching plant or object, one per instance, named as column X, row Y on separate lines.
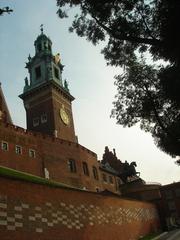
column 31, row 211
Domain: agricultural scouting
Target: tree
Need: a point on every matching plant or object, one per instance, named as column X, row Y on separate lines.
column 136, row 31
column 5, row 10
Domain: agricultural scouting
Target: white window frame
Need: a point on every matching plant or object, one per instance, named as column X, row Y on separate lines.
column 17, row 148
column 2, row 146
column 32, row 153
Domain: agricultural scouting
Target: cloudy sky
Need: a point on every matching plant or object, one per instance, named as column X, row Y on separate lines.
column 91, row 82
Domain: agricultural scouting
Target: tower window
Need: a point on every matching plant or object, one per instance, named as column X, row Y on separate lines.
column 85, row 169
column 18, row 149
column 32, row 153
column 95, row 173
column 56, row 72
column 39, row 47
column 4, row 146
column 44, row 118
column 72, row 165
column 45, row 46
column 38, row 72
column 35, row 122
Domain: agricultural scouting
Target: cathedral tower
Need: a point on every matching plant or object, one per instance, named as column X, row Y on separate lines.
column 46, row 97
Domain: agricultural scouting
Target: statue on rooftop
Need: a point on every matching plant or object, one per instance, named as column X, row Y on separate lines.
column 66, row 85
column 26, row 81
column 26, row 87
column 128, row 171
column 29, row 58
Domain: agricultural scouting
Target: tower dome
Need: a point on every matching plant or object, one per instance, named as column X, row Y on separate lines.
column 43, row 43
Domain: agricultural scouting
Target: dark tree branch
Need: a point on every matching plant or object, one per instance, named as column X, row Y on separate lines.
column 158, row 118
column 5, row 10
column 145, row 23
column 118, row 36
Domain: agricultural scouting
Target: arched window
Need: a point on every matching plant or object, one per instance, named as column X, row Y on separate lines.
column 85, row 169
column 38, row 72
column 95, row 173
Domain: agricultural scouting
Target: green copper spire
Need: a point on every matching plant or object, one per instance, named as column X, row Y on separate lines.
column 44, row 66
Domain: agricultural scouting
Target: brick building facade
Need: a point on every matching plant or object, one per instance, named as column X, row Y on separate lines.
column 49, row 146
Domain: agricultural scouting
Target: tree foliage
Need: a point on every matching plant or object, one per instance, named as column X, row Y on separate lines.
column 5, row 10
column 135, row 31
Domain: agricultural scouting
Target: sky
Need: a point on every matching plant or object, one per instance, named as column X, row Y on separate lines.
column 90, row 80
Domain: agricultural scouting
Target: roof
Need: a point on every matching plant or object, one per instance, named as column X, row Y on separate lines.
column 42, row 36
column 107, row 168
column 171, row 185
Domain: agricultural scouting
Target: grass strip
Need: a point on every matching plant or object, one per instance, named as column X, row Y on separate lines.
column 14, row 174
column 150, row 236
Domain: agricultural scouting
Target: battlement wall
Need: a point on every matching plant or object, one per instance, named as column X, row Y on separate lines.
column 52, row 156
column 40, row 136
column 34, row 211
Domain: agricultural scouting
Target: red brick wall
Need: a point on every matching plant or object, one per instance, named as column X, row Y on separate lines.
column 112, row 187
column 52, row 154
column 141, row 191
column 63, row 131
column 48, row 100
column 169, row 204
column 17, row 136
column 30, row 211
column 56, row 156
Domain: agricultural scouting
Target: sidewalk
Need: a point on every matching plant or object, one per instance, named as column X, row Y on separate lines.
column 172, row 235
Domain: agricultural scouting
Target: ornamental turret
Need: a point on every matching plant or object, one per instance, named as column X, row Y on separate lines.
column 44, row 66
column 43, row 44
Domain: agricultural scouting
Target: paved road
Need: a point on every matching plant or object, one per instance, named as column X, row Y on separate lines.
column 172, row 235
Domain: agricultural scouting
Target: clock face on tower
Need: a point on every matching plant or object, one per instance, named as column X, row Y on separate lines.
column 64, row 116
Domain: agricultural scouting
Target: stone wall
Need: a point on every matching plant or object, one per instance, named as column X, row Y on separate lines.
column 39, row 212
